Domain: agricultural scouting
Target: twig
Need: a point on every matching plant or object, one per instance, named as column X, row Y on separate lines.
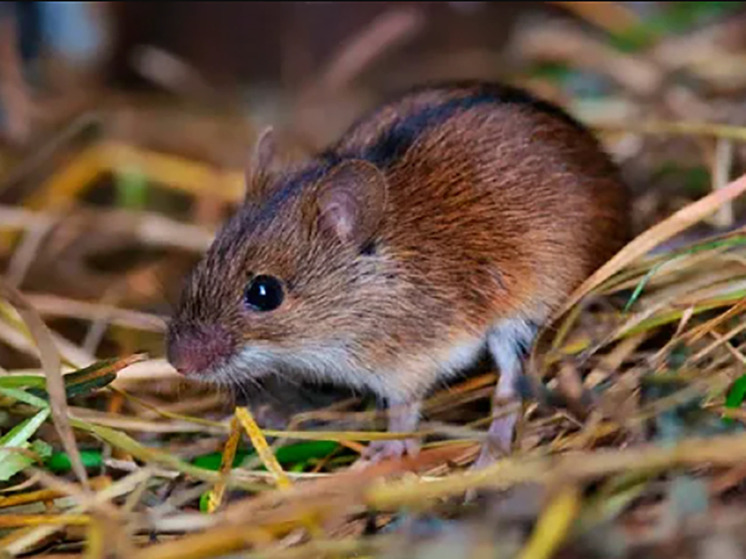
column 149, row 228
column 46, row 151
column 54, row 306
column 353, row 56
column 722, row 164
column 24, row 255
column 14, row 92
column 172, row 73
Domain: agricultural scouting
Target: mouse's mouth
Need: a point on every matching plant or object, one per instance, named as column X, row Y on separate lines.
column 196, row 349
column 242, row 367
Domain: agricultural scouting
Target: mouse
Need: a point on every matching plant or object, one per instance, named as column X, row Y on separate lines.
column 446, row 223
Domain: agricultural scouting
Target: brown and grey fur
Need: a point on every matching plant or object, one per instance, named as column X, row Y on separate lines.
column 451, row 220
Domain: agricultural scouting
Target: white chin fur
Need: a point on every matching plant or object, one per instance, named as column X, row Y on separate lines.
column 309, row 364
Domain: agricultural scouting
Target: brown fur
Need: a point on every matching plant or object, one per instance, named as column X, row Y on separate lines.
column 498, row 211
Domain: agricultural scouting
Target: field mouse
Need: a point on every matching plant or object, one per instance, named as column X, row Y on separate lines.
column 449, row 221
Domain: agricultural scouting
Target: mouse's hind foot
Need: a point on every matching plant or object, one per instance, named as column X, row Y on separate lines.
column 499, row 441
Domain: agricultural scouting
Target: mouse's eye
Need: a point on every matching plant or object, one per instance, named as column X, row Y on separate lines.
column 264, row 293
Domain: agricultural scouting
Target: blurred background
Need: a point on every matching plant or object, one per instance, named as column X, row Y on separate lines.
column 125, row 126
column 125, row 129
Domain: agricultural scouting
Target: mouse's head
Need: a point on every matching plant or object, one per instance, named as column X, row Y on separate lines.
column 293, row 279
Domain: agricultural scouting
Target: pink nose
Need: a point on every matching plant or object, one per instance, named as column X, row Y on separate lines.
column 195, row 350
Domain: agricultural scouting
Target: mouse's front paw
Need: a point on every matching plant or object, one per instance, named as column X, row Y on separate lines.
column 378, row 451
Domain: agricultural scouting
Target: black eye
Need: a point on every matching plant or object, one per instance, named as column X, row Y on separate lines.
column 264, row 293
column 368, row 249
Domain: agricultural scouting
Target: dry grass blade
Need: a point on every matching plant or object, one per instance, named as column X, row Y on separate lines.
column 679, row 128
column 20, row 520
column 229, row 453
column 554, row 525
column 580, row 466
column 51, row 363
column 44, row 495
column 262, row 448
column 161, row 458
column 17, row 543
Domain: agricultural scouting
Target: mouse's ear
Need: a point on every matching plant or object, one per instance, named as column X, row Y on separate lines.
column 351, row 200
column 260, row 164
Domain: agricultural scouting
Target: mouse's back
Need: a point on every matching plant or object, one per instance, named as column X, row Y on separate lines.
column 506, row 201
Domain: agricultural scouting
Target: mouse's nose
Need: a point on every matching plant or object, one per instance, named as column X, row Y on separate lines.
column 194, row 350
